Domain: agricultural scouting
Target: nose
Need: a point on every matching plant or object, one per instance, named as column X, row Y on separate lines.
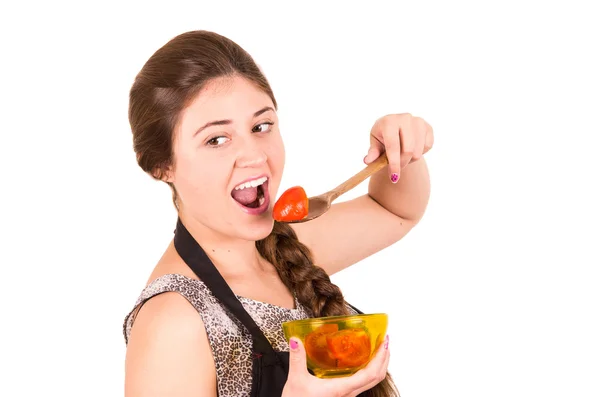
column 251, row 155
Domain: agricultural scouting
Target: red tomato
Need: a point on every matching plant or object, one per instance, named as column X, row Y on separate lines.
column 351, row 347
column 316, row 346
column 291, row 206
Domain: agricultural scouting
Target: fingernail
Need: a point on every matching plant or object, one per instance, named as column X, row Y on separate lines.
column 394, row 177
column 293, row 344
column 387, row 342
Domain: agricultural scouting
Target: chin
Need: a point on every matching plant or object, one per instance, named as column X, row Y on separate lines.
column 257, row 230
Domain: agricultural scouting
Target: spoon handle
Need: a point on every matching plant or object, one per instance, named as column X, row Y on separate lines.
column 356, row 180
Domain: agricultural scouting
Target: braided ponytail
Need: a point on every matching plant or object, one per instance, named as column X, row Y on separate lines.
column 313, row 287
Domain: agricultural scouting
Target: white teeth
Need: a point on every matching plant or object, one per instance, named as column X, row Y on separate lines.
column 253, row 183
column 261, row 201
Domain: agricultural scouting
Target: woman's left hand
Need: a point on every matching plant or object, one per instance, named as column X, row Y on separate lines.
column 403, row 137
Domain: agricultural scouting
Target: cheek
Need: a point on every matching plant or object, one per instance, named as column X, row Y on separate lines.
column 277, row 162
column 279, row 156
column 193, row 182
column 277, row 152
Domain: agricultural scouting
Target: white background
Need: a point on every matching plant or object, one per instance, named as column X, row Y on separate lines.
column 495, row 293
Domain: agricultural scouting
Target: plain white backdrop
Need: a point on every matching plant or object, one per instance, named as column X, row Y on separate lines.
column 495, row 293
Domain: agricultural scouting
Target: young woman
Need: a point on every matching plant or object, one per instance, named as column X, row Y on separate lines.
column 204, row 120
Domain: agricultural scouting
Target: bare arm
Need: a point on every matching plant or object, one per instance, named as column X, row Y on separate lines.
column 406, row 199
column 168, row 352
column 353, row 230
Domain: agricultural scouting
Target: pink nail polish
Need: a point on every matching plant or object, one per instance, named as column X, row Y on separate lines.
column 387, row 342
column 394, row 177
column 293, row 344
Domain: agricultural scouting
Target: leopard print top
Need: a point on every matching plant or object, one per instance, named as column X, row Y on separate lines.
column 230, row 342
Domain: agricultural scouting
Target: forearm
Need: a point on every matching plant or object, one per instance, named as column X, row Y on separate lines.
column 408, row 198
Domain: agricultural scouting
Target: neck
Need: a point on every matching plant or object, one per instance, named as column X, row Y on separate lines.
column 231, row 255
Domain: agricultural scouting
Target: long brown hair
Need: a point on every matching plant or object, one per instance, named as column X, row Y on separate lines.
column 166, row 84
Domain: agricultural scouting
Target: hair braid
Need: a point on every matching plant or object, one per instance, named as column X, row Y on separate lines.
column 293, row 261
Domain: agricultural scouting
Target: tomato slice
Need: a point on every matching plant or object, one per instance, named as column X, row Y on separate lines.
column 316, row 346
column 351, row 347
column 291, row 206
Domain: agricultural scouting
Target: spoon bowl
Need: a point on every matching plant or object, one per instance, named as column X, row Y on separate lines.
column 318, row 205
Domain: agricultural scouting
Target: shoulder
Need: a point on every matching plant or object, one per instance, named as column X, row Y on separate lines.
column 168, row 351
column 194, row 291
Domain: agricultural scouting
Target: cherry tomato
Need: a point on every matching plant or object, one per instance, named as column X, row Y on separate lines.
column 291, row 206
column 316, row 346
column 351, row 347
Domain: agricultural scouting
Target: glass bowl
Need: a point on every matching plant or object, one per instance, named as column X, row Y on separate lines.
column 338, row 346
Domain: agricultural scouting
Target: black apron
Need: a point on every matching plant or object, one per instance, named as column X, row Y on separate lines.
column 269, row 368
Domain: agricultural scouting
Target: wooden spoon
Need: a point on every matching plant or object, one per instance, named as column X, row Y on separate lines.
column 318, row 205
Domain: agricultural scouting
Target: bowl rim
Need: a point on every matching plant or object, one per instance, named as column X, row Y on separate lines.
column 317, row 320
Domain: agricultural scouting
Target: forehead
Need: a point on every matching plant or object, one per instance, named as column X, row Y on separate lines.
column 224, row 98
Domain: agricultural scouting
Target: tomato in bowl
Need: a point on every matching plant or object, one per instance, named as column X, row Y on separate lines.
column 338, row 345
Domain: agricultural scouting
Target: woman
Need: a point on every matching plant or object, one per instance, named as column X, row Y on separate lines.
column 208, row 323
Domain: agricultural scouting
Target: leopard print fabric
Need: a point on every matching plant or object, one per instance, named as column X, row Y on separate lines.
column 230, row 342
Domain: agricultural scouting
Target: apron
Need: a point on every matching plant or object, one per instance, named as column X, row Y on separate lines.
column 269, row 368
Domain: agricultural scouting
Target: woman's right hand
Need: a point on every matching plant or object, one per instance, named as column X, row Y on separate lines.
column 301, row 383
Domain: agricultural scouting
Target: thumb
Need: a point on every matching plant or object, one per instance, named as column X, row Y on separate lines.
column 297, row 358
column 373, row 153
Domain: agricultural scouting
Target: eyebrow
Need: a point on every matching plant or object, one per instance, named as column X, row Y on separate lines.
column 226, row 122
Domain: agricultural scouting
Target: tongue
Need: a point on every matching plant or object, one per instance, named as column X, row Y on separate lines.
column 245, row 196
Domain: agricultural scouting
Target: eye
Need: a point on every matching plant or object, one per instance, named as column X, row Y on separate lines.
column 263, row 127
column 216, row 141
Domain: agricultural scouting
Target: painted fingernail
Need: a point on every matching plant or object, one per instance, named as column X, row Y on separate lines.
column 394, row 177
column 293, row 344
column 387, row 341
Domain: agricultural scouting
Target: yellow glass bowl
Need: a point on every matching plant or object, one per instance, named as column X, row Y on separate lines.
column 338, row 346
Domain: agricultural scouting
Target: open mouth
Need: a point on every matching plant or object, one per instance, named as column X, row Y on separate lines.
column 252, row 195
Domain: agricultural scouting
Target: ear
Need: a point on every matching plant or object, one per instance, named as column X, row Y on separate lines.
column 164, row 174
column 168, row 177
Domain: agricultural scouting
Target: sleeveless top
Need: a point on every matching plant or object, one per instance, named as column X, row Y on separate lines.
column 230, row 341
